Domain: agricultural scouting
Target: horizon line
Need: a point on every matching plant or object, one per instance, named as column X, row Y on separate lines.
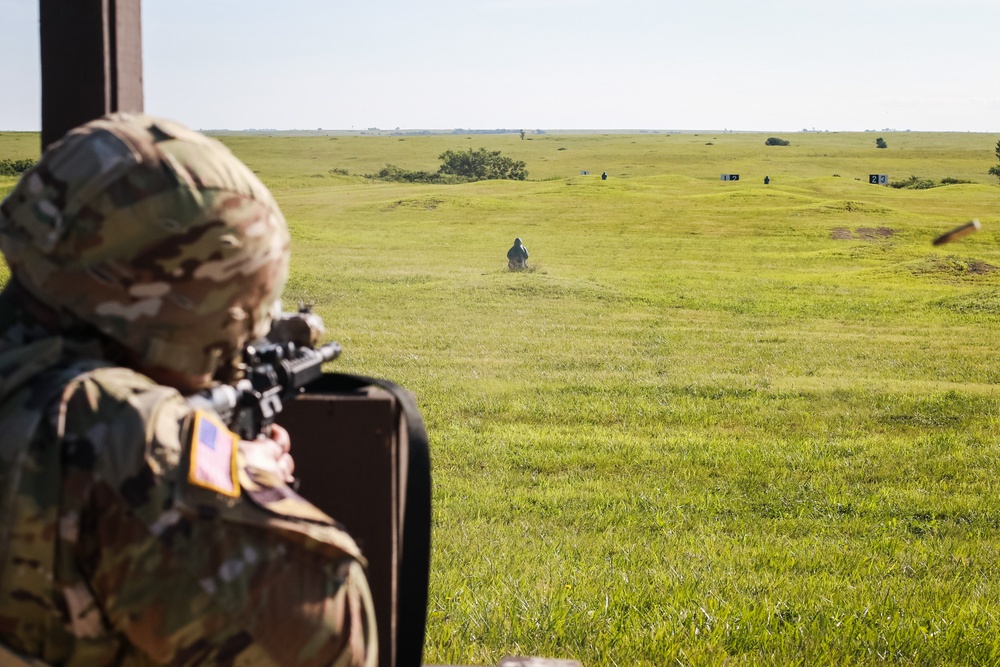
column 417, row 131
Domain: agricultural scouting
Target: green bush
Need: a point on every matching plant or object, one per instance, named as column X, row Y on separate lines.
column 15, row 167
column 921, row 183
column 459, row 167
column 880, row 143
column 775, row 141
column 481, row 165
column 391, row 172
column 995, row 169
column 914, row 183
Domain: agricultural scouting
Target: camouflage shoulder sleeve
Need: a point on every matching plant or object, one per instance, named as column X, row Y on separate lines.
column 189, row 574
column 32, row 597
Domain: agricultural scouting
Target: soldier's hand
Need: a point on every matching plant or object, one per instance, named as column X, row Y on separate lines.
column 271, row 453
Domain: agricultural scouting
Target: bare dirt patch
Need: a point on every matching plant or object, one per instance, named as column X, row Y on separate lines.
column 422, row 204
column 861, row 233
column 952, row 265
column 979, row 267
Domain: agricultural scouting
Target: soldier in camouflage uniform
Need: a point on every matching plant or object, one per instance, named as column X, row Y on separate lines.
column 517, row 256
column 134, row 528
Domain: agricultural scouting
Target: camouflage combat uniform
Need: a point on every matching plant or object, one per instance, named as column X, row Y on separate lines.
column 113, row 550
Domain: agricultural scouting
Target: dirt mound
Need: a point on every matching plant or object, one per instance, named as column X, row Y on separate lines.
column 951, row 265
column 861, row 233
column 979, row 267
column 426, row 204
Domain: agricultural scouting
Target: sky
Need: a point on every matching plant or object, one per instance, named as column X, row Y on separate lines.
column 745, row 65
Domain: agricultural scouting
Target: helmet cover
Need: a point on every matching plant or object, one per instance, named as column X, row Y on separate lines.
column 156, row 235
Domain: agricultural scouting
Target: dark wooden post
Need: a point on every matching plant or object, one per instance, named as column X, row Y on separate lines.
column 91, row 61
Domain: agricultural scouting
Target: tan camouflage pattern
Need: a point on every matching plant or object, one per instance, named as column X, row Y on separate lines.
column 108, row 556
column 153, row 233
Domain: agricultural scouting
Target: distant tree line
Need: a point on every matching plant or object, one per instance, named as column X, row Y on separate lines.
column 459, row 130
column 460, row 167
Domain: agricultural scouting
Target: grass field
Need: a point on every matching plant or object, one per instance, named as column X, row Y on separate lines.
column 716, row 423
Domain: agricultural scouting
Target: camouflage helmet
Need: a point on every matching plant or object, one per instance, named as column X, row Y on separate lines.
column 156, row 235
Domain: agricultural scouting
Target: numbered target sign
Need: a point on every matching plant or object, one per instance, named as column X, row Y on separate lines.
column 730, row 177
column 878, row 179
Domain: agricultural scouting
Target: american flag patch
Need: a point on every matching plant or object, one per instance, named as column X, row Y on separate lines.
column 213, row 455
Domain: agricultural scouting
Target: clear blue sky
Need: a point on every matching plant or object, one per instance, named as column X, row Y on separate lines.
column 550, row 64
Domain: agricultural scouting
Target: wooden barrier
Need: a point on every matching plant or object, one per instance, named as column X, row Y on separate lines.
column 361, row 455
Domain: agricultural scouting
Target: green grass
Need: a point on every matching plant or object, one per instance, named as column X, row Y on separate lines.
column 718, row 423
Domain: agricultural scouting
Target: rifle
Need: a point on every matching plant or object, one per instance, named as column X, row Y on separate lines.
column 279, row 367
column 276, row 368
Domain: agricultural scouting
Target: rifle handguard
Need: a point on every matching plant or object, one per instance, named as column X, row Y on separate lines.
column 275, row 372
